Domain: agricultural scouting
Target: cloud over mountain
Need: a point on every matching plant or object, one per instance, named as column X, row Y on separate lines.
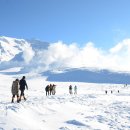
column 28, row 53
column 61, row 55
column 41, row 56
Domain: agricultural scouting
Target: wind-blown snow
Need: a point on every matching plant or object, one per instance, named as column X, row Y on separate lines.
column 90, row 109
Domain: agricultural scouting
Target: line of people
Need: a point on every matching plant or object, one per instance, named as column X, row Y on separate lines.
column 16, row 86
column 106, row 91
column 22, row 85
column 50, row 89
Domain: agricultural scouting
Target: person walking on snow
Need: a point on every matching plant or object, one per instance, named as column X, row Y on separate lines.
column 54, row 89
column 15, row 90
column 22, row 87
column 70, row 89
column 47, row 90
column 75, row 89
column 51, row 89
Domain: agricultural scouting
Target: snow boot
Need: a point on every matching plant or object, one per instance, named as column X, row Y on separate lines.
column 20, row 99
column 24, row 98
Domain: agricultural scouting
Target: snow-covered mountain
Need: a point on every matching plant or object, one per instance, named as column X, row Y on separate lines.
column 44, row 58
column 37, row 44
column 14, row 48
column 19, row 52
column 10, row 47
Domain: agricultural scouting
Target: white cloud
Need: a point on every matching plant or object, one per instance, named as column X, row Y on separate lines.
column 28, row 53
column 60, row 55
column 120, row 54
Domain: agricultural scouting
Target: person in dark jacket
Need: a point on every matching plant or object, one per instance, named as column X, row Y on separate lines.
column 47, row 90
column 106, row 91
column 23, row 84
column 70, row 89
column 51, row 89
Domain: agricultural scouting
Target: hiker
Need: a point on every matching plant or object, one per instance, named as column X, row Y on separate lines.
column 22, row 87
column 75, row 89
column 106, row 91
column 51, row 89
column 111, row 91
column 125, row 85
column 70, row 89
column 54, row 89
column 47, row 89
column 15, row 90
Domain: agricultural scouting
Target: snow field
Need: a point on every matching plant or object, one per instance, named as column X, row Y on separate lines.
column 90, row 109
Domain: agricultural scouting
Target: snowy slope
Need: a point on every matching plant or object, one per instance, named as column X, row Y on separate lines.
column 38, row 45
column 9, row 47
column 90, row 109
column 14, row 48
column 20, row 53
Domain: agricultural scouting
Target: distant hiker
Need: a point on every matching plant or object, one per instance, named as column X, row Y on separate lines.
column 111, row 91
column 75, row 89
column 125, row 85
column 118, row 91
column 106, row 91
column 22, row 87
column 70, row 89
column 47, row 89
column 15, row 90
column 53, row 89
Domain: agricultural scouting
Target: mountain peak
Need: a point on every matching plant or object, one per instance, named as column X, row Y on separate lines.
column 9, row 47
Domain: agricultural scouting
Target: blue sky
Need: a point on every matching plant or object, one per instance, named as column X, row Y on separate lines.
column 103, row 22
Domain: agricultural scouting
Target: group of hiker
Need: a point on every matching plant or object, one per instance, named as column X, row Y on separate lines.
column 21, row 85
column 50, row 89
column 16, row 86
column 106, row 91
column 71, row 89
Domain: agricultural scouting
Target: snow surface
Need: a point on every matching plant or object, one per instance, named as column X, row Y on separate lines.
column 90, row 109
